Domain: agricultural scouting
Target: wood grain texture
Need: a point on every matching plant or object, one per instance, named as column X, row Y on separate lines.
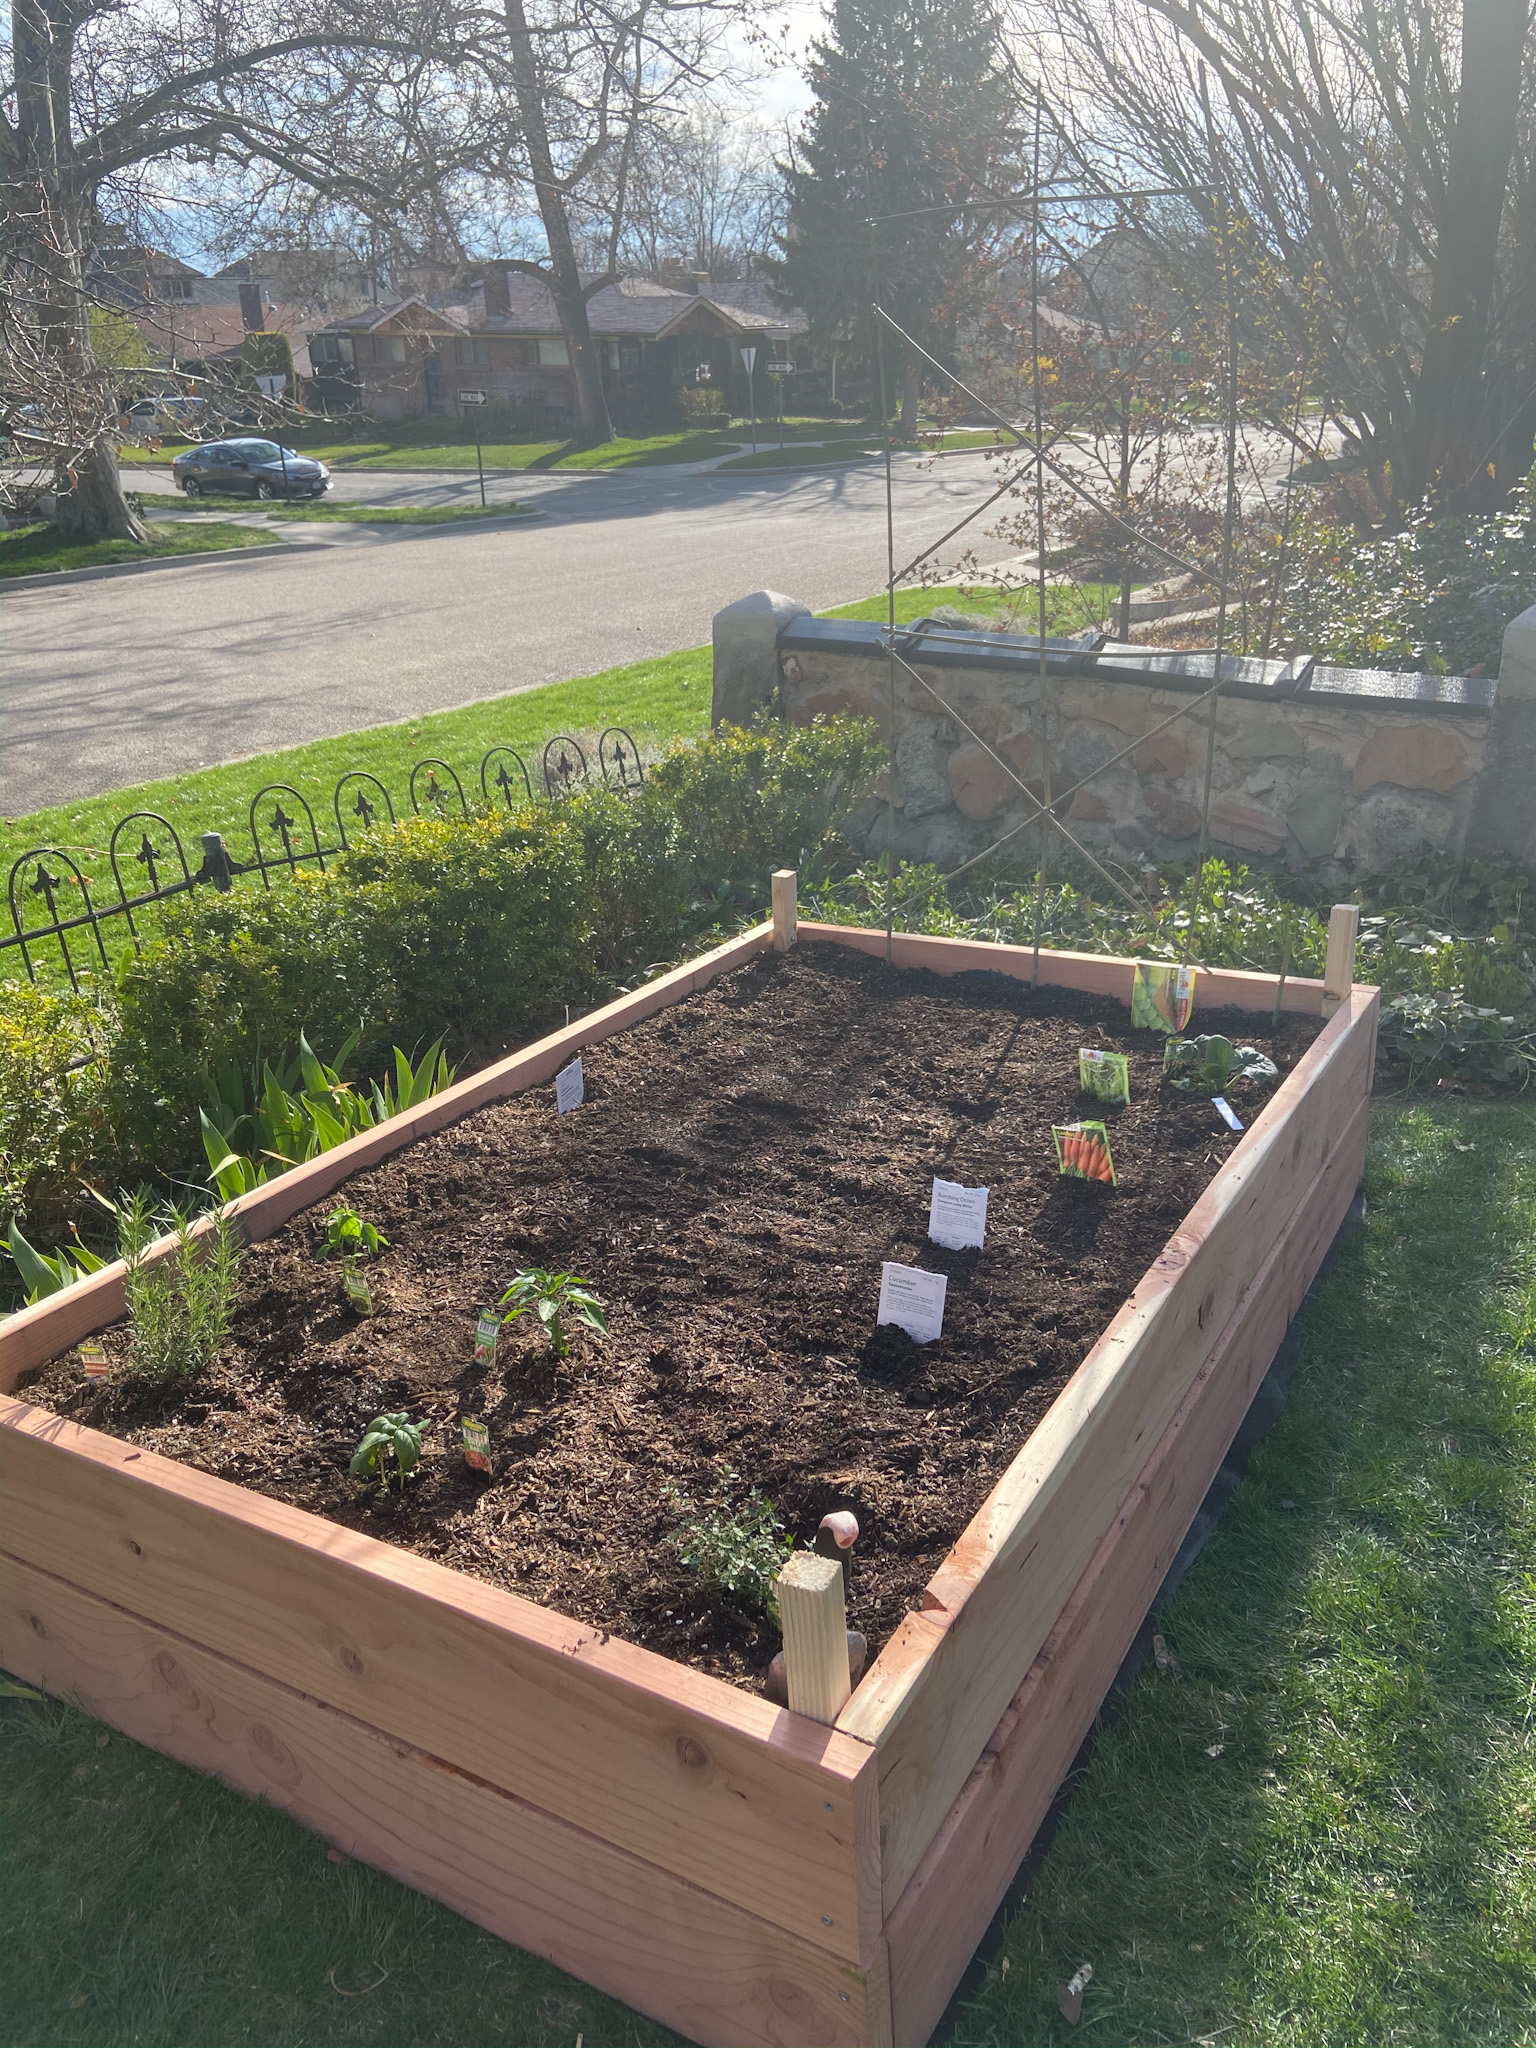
column 34, row 1335
column 815, row 1635
column 721, row 1976
column 1099, row 974
column 969, row 1865
column 756, row 1804
column 940, row 1686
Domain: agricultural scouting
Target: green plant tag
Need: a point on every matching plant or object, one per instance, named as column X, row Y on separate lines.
column 1082, row 1152
column 1106, row 1076
column 94, row 1359
column 359, row 1295
column 477, row 1444
column 1162, row 996
column 485, row 1337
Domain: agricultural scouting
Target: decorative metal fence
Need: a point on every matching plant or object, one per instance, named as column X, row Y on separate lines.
column 284, row 838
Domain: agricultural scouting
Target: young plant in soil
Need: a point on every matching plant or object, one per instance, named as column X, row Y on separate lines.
column 739, row 1552
column 349, row 1236
column 553, row 1296
column 179, row 1310
column 1210, row 1065
column 390, row 1449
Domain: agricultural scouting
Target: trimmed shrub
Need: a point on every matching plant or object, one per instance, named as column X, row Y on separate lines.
column 55, row 1124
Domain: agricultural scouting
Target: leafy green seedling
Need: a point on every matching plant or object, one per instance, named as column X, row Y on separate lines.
column 391, row 1444
column 1209, row 1066
column 553, row 1296
column 348, row 1236
column 738, row 1550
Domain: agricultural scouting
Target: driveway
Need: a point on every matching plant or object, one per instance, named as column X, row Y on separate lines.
column 113, row 682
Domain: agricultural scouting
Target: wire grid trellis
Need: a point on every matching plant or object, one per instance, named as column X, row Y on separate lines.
column 284, row 835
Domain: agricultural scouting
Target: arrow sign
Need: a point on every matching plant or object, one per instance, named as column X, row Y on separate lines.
column 474, row 398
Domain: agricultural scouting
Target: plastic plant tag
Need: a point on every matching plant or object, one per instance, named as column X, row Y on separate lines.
column 1106, row 1076
column 1082, row 1152
column 570, row 1088
column 359, row 1295
column 94, row 1359
column 957, row 1216
column 485, row 1337
column 1229, row 1115
column 913, row 1300
column 477, row 1444
column 1162, row 996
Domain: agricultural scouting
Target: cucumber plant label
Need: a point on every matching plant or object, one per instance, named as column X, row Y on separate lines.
column 1162, row 996
column 485, row 1337
column 477, row 1444
column 957, row 1216
column 1106, row 1076
column 913, row 1300
column 570, row 1088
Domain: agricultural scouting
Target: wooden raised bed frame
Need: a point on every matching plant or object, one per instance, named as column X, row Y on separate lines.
column 740, row 1873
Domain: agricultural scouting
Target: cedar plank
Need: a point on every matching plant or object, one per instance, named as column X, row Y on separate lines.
column 719, row 1975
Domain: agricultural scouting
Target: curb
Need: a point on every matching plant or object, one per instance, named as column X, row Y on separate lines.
column 189, row 561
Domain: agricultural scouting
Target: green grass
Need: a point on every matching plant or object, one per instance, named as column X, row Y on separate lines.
column 1354, row 1867
column 438, row 446
column 39, row 550
column 359, row 515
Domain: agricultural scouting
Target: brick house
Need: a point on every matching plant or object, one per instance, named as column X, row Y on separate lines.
column 504, row 338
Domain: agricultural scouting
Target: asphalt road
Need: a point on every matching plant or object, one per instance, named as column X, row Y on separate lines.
column 119, row 681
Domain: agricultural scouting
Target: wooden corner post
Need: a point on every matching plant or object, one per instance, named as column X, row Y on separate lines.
column 815, row 1628
column 786, row 914
column 1339, row 972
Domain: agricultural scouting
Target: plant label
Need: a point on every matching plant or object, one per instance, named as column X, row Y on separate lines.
column 485, row 1337
column 359, row 1295
column 94, row 1359
column 957, row 1216
column 1106, row 1076
column 1082, row 1152
column 1162, row 996
column 1229, row 1115
column 913, row 1300
column 570, row 1088
column 477, row 1444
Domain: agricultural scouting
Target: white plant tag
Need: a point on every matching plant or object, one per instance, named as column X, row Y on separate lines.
column 913, row 1300
column 570, row 1088
column 957, row 1216
column 1228, row 1113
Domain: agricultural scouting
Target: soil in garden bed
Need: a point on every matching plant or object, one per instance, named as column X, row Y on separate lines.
column 742, row 1165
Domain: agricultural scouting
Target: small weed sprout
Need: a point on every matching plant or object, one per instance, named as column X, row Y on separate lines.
column 180, row 1309
column 391, row 1446
column 737, row 1550
column 348, row 1236
column 553, row 1296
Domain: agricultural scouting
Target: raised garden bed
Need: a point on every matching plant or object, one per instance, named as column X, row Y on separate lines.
column 738, row 1871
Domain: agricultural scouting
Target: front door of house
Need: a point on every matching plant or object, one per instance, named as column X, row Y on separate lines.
column 432, row 367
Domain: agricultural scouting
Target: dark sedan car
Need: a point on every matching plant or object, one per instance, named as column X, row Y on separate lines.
column 250, row 469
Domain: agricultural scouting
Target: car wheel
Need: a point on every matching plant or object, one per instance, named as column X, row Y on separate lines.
column 192, row 487
column 266, row 490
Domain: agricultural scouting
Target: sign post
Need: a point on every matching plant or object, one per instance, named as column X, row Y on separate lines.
column 778, row 370
column 475, row 399
column 749, row 358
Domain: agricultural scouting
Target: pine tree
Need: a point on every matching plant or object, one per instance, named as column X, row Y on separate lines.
column 915, row 109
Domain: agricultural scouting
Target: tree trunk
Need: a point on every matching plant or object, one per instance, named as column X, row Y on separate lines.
column 911, row 386
column 593, row 425
column 1447, row 441
column 89, row 500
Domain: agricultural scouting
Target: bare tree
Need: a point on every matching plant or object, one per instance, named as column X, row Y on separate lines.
column 704, row 195
column 1377, row 162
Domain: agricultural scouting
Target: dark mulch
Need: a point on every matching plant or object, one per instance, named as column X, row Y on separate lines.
column 742, row 1165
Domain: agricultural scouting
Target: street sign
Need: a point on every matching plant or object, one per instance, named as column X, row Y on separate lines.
column 748, row 358
column 271, row 387
column 474, row 398
column 776, row 369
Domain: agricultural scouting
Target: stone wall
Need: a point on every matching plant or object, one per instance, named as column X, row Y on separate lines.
column 1334, row 769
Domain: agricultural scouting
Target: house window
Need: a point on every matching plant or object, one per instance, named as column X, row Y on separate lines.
column 552, row 356
column 474, row 354
column 389, row 348
column 611, row 357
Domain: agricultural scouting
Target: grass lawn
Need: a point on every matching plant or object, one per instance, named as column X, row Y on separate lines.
column 359, row 515
column 38, row 550
column 1353, row 1866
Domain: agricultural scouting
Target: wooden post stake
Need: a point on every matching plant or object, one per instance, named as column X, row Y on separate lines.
column 786, row 914
column 815, row 1627
column 1339, row 973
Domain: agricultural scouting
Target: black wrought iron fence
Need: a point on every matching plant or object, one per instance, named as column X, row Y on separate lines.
column 283, row 838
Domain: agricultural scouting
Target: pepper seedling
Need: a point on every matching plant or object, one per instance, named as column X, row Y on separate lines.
column 349, row 1236
column 391, row 1445
column 553, row 1296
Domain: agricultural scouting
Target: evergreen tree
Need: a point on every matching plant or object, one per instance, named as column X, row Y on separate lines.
column 915, row 114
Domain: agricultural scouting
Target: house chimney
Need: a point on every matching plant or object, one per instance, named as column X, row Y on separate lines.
column 251, row 312
column 497, row 304
column 700, row 281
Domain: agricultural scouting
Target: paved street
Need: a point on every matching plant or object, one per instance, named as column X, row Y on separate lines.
column 118, row 681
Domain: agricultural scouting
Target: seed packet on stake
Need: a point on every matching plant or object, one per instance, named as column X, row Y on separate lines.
column 570, row 1087
column 477, row 1444
column 1162, row 996
column 94, row 1359
column 486, row 1331
column 1106, row 1076
column 1082, row 1152
column 359, row 1295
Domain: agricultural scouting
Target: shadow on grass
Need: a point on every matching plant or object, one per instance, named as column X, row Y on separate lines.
column 1322, row 1834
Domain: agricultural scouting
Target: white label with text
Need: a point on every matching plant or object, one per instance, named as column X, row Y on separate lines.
column 957, row 1216
column 570, row 1088
column 913, row 1300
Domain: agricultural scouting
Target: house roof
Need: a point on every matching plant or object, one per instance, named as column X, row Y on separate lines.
column 637, row 306
column 200, row 332
column 371, row 317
